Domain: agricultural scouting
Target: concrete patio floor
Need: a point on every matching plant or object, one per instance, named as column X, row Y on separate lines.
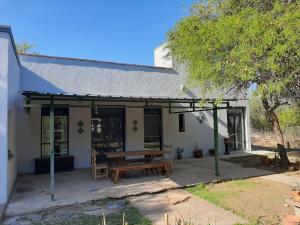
column 31, row 193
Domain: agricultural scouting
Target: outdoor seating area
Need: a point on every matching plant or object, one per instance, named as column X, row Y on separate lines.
column 32, row 191
column 120, row 162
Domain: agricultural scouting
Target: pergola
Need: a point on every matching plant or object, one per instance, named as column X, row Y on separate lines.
column 175, row 106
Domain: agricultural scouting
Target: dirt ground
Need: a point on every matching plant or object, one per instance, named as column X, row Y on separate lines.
column 294, row 174
column 257, row 200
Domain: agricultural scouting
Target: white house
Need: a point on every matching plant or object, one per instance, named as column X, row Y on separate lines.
column 105, row 105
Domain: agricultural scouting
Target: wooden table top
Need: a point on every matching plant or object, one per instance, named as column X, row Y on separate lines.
column 132, row 153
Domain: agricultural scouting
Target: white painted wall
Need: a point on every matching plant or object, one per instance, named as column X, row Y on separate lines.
column 134, row 140
column 9, row 104
column 195, row 134
column 4, row 43
column 162, row 57
column 14, row 104
column 80, row 144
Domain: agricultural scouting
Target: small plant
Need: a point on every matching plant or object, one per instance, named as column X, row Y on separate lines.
column 211, row 152
column 180, row 153
column 198, row 153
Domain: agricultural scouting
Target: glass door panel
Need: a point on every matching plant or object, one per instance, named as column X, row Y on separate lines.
column 108, row 129
column 152, row 128
column 236, row 128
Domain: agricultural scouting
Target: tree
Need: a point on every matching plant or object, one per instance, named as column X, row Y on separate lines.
column 232, row 45
column 25, row 47
column 288, row 115
column 257, row 119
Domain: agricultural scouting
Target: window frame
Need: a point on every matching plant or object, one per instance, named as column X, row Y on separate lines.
column 161, row 123
column 181, row 121
column 41, row 132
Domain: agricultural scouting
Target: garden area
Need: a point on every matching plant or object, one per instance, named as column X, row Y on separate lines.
column 257, row 200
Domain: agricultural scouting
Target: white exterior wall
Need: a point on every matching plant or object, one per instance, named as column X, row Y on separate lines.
column 14, row 104
column 4, row 42
column 9, row 109
column 196, row 134
column 134, row 140
column 161, row 57
column 80, row 144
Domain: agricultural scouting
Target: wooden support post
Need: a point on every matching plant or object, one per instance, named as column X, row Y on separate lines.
column 51, row 132
column 216, row 140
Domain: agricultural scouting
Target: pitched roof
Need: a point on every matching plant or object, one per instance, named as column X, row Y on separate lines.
column 80, row 76
column 97, row 61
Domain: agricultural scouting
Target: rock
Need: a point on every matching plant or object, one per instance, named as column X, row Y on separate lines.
column 291, row 220
column 294, row 193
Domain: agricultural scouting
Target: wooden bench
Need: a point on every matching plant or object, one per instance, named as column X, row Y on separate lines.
column 116, row 171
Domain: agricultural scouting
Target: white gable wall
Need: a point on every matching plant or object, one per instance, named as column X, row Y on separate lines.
column 4, row 42
column 10, row 99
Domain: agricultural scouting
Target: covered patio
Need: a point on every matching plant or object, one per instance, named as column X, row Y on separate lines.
column 32, row 192
column 174, row 105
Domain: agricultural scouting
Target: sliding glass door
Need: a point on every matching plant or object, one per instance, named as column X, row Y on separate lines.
column 152, row 128
column 236, row 128
column 108, row 129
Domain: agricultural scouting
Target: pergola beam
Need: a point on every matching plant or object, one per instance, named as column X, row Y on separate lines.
column 216, row 140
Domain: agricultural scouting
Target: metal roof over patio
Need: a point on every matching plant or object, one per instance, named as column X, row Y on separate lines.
column 75, row 100
column 186, row 105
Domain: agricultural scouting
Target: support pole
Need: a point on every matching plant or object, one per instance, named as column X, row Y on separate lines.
column 52, row 150
column 216, row 140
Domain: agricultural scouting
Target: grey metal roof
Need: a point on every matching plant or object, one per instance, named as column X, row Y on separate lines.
column 158, row 68
column 79, row 76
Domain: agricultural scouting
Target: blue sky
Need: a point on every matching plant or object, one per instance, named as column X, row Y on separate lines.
column 117, row 30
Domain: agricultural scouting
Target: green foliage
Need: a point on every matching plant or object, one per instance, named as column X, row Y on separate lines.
column 289, row 116
column 25, row 47
column 234, row 44
column 204, row 192
column 257, row 115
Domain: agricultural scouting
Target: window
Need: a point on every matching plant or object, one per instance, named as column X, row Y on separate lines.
column 181, row 123
column 61, row 132
column 152, row 128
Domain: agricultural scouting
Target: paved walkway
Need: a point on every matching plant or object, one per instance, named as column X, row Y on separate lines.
column 180, row 204
column 32, row 191
column 281, row 178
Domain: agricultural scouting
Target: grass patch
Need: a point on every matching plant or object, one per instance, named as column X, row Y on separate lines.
column 257, row 200
column 206, row 192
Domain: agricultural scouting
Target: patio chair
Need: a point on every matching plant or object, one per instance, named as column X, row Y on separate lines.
column 99, row 170
column 168, row 155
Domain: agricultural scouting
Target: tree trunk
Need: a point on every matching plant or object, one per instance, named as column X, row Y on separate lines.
column 272, row 117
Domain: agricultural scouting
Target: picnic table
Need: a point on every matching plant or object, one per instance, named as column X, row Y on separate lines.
column 152, row 159
column 124, row 154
